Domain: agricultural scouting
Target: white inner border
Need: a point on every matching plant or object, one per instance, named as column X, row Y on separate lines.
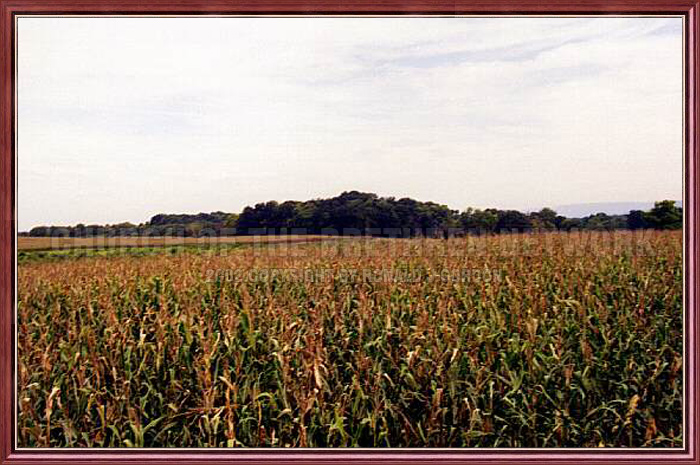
column 205, row 15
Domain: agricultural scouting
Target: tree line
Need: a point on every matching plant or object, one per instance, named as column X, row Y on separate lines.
column 359, row 213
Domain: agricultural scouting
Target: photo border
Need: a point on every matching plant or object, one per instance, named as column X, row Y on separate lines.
column 10, row 10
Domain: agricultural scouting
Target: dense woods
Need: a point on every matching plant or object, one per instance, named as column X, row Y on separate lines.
column 358, row 213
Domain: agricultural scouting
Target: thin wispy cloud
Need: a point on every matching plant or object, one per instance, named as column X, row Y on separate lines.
column 123, row 118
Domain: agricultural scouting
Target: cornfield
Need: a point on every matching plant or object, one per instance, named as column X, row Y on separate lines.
column 532, row 340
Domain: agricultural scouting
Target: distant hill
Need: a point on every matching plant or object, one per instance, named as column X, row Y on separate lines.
column 580, row 210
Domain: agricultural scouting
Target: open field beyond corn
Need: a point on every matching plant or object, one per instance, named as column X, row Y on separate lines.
column 54, row 243
column 539, row 340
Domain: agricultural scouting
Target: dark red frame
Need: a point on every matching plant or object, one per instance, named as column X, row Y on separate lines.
column 10, row 8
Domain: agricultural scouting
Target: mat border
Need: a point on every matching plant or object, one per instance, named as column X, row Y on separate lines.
column 10, row 10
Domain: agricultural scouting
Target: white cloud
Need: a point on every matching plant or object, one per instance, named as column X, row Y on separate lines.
column 122, row 118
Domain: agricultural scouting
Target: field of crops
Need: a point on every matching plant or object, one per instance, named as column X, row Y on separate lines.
column 537, row 340
column 25, row 243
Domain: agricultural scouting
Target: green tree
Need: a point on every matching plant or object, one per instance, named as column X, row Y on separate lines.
column 665, row 215
column 637, row 219
column 544, row 219
column 480, row 221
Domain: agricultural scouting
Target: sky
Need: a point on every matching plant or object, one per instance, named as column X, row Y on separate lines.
column 123, row 118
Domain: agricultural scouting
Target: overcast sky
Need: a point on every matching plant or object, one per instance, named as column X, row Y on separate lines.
column 123, row 118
